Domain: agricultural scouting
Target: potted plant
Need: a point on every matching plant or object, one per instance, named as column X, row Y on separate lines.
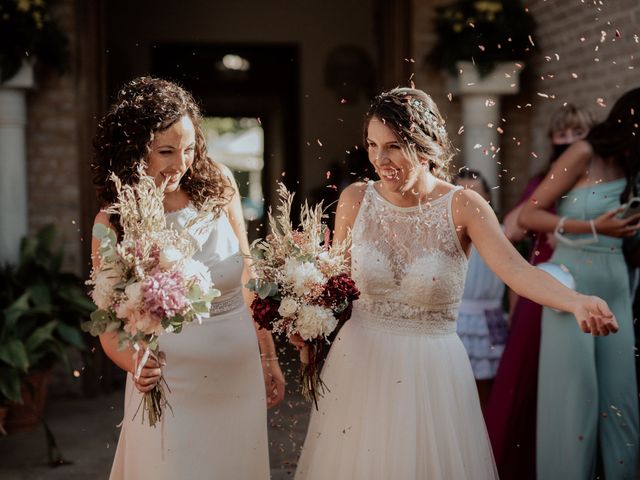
column 41, row 309
column 484, row 32
column 28, row 32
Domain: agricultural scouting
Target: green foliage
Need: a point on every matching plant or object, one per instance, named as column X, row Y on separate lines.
column 485, row 32
column 41, row 309
column 27, row 31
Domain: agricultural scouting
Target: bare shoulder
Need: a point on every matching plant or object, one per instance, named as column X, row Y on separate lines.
column 226, row 171
column 468, row 204
column 578, row 155
column 353, row 194
column 349, row 205
column 103, row 219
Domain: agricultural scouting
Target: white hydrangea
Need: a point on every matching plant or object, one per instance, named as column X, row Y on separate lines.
column 302, row 276
column 102, row 293
column 315, row 321
column 288, row 307
column 169, row 257
column 328, row 260
column 133, row 301
column 200, row 272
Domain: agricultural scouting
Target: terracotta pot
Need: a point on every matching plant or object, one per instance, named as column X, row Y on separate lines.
column 26, row 416
column 3, row 417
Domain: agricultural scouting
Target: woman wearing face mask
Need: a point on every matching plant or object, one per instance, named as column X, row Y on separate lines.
column 511, row 412
column 401, row 400
column 217, row 428
column 597, row 412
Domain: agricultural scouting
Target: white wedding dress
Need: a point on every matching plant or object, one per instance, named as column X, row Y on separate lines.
column 402, row 401
column 218, row 428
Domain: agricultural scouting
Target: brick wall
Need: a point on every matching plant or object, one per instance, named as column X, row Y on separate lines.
column 572, row 30
column 52, row 150
column 591, row 65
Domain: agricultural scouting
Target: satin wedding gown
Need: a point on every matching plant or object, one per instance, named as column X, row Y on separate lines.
column 402, row 401
column 218, row 428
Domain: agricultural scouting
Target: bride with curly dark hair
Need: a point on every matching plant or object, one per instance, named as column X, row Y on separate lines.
column 218, row 428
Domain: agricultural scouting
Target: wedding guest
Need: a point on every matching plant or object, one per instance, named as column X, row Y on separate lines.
column 482, row 325
column 216, row 375
column 511, row 411
column 597, row 412
column 401, row 400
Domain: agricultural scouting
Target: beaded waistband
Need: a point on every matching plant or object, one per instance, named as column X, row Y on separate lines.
column 226, row 305
column 432, row 324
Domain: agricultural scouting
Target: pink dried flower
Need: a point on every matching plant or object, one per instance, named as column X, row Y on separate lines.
column 316, row 291
column 165, row 294
column 298, row 238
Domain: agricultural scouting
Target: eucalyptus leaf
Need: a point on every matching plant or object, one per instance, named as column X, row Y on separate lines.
column 194, row 292
column 100, row 231
column 113, row 325
column 200, row 307
column 341, row 307
column 264, row 290
column 99, row 315
column 177, row 329
column 213, row 293
column 252, row 284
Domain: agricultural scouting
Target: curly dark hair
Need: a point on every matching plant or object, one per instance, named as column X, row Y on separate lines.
column 145, row 106
column 415, row 120
column 618, row 138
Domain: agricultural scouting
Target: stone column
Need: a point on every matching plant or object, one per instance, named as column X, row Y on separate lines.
column 480, row 98
column 13, row 163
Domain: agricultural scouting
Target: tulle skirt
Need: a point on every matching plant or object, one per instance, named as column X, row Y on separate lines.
column 401, row 405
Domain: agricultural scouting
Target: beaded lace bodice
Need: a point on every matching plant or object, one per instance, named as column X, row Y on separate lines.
column 408, row 265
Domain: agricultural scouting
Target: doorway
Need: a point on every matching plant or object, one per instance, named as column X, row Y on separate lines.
column 249, row 96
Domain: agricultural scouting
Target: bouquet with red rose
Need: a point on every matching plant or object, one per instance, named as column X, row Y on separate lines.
column 302, row 284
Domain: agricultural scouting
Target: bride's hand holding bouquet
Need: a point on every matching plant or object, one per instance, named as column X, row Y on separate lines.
column 302, row 287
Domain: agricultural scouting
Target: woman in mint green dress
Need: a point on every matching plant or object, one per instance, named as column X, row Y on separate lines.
column 587, row 395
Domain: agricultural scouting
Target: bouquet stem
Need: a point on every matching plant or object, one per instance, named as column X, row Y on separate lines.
column 312, row 385
column 154, row 403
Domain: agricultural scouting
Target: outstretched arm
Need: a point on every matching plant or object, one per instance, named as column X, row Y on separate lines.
column 478, row 223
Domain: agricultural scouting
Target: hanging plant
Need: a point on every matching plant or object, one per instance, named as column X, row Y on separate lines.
column 483, row 32
column 27, row 32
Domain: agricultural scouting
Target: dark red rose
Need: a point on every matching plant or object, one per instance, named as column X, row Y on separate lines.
column 340, row 290
column 265, row 311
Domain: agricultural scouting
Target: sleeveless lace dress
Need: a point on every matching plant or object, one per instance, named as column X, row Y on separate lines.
column 402, row 402
column 218, row 429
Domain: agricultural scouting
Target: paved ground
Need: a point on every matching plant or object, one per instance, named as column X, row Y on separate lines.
column 86, row 433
